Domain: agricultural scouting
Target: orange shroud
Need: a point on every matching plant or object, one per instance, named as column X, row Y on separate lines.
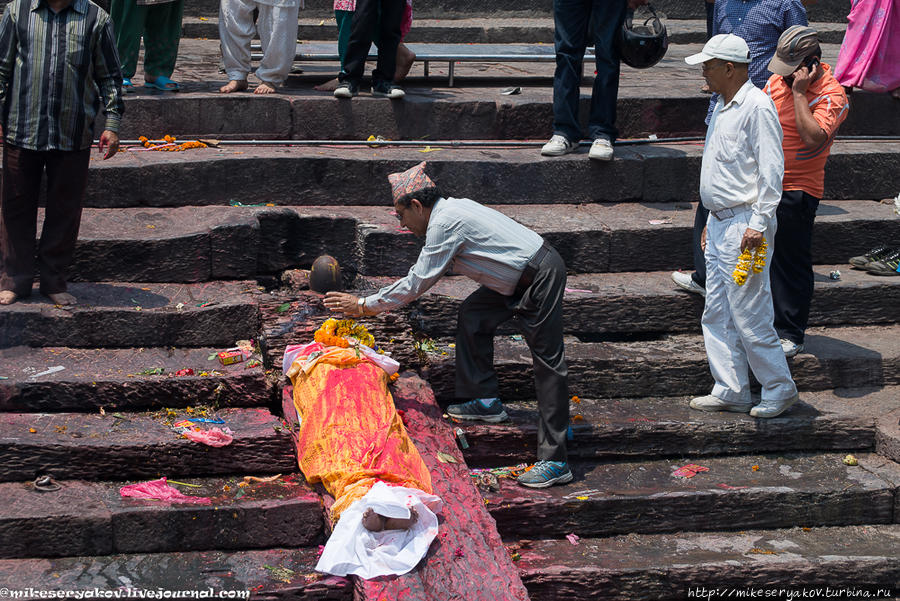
column 351, row 435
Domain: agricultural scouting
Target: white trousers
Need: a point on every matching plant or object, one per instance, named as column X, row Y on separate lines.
column 277, row 26
column 738, row 326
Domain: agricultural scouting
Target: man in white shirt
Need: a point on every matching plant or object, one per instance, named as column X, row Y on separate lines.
column 520, row 275
column 740, row 184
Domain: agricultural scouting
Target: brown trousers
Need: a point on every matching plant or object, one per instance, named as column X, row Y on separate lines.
column 19, row 254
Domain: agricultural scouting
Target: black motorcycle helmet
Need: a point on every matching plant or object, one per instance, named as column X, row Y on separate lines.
column 643, row 45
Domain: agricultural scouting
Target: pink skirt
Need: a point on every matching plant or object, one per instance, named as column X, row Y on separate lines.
column 870, row 54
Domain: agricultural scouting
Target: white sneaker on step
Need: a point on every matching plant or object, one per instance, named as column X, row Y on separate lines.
column 773, row 408
column 714, row 403
column 686, row 282
column 558, row 146
column 601, row 150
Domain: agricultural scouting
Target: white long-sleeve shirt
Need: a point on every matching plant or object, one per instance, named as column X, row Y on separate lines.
column 743, row 162
column 472, row 240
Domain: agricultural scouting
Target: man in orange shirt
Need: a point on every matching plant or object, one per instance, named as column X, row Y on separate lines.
column 811, row 105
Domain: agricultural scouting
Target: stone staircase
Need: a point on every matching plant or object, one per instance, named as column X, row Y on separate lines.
column 183, row 254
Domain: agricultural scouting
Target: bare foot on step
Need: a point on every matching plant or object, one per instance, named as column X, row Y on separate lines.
column 405, row 60
column 328, row 86
column 62, row 298
column 235, row 85
column 7, row 297
column 265, row 88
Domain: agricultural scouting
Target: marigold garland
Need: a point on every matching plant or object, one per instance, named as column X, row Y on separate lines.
column 750, row 263
column 335, row 332
column 167, row 144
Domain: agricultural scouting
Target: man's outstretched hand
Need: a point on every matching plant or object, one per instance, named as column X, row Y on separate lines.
column 341, row 302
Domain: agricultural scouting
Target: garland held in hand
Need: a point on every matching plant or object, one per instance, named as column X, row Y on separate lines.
column 750, row 263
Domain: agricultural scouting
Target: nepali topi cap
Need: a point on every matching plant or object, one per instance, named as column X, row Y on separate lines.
column 795, row 45
column 410, row 182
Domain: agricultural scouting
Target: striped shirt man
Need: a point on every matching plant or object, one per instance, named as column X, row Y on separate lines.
column 54, row 70
column 472, row 240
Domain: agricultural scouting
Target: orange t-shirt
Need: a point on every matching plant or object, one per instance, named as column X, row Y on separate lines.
column 804, row 168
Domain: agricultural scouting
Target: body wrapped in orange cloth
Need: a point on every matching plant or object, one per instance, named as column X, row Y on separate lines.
column 351, row 435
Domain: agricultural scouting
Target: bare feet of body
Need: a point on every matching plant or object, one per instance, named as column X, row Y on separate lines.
column 235, row 85
column 328, row 86
column 376, row 522
column 62, row 298
column 7, row 297
column 405, row 60
column 265, row 88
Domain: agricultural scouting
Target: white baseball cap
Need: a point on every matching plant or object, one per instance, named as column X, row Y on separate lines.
column 725, row 46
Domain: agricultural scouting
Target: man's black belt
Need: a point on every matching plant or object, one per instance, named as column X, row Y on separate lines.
column 534, row 264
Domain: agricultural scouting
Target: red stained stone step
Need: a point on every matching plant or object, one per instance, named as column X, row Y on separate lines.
column 666, row 566
column 92, row 518
column 290, row 574
column 133, row 315
column 112, row 379
column 836, row 357
column 645, row 496
column 341, row 176
column 659, row 427
column 137, row 445
column 467, row 560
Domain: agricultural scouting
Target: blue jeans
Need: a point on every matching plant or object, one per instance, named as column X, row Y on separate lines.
column 579, row 23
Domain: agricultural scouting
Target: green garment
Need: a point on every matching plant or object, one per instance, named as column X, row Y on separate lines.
column 158, row 24
column 344, row 20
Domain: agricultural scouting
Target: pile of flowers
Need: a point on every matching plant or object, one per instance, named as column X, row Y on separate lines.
column 169, row 144
column 750, row 263
column 343, row 333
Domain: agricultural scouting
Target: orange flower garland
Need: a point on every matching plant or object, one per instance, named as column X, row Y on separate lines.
column 335, row 332
column 167, row 144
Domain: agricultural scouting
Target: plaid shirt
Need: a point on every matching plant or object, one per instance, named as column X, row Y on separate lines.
column 760, row 23
column 54, row 69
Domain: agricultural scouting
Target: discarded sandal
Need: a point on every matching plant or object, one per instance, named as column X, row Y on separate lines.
column 46, row 484
column 163, row 83
column 127, row 85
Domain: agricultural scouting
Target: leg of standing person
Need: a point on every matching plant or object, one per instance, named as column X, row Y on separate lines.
column 571, row 19
column 696, row 281
column 710, row 14
column 364, row 18
column 67, row 173
column 344, row 20
column 128, row 20
column 162, row 34
column 479, row 316
column 388, row 41
column 791, row 271
column 541, row 316
column 606, row 20
column 278, row 34
column 236, row 29
column 22, row 171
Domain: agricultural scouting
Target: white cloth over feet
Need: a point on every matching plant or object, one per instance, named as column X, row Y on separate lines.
column 277, row 26
column 352, row 549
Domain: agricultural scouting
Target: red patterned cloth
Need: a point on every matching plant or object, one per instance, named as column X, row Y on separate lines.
column 410, row 181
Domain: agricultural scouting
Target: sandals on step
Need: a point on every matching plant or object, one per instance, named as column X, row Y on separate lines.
column 163, row 83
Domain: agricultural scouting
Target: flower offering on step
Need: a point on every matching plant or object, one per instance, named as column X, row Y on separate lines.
column 342, row 333
column 168, row 144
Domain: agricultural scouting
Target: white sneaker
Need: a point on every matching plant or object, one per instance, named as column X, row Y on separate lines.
column 773, row 408
column 558, row 146
column 790, row 348
column 686, row 282
column 601, row 150
column 714, row 403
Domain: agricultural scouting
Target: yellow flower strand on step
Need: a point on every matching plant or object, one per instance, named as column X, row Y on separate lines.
column 750, row 263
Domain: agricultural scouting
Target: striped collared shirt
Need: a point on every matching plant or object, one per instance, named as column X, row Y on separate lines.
column 54, row 70
column 472, row 240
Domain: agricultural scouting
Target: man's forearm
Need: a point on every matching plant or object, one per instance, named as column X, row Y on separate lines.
column 811, row 134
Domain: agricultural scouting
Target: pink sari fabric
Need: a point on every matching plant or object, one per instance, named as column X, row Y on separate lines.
column 870, row 55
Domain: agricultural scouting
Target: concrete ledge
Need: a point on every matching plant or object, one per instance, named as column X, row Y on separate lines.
column 644, row 497
column 87, row 518
column 236, row 571
column 133, row 445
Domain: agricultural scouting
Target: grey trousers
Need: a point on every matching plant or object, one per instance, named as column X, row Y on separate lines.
column 538, row 311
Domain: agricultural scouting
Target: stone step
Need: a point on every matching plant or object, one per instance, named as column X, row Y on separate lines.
column 139, row 445
column 840, row 562
column 133, row 315
column 124, row 380
column 737, row 493
column 92, row 518
column 825, row 10
column 609, row 429
column 158, row 245
column 625, row 237
column 269, row 574
column 835, row 357
column 343, row 176
column 486, row 30
column 611, row 304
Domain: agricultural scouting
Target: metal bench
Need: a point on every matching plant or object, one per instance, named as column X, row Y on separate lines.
column 449, row 53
